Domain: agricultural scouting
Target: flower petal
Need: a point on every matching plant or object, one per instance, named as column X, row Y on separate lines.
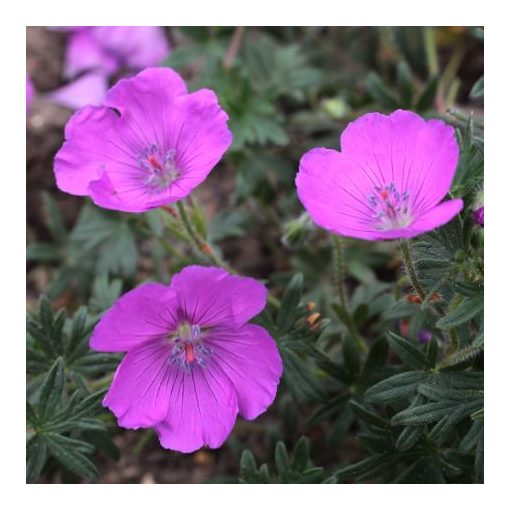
column 89, row 89
column 143, row 314
column 148, row 97
column 202, row 411
column 210, row 296
column 418, row 156
column 84, row 53
column 436, row 217
column 140, row 392
column 250, row 358
column 87, row 149
column 334, row 191
column 137, row 46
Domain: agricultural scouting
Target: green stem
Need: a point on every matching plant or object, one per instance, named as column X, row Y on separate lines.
column 410, row 269
column 339, row 278
column 431, row 50
column 199, row 243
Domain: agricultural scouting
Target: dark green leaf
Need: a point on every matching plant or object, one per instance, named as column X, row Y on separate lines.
column 466, row 311
column 396, row 387
column 407, row 352
column 290, row 301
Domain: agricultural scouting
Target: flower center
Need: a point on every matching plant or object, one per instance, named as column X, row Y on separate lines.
column 188, row 346
column 159, row 167
column 390, row 208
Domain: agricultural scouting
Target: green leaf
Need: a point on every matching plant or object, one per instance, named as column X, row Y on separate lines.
column 37, row 453
column 477, row 90
column 396, row 387
column 376, row 358
column 52, row 389
column 282, row 462
column 446, row 424
column 461, row 358
column 426, row 413
column 69, row 454
column 407, row 352
column 467, row 310
column 290, row 301
column 380, row 93
column 366, row 467
column 300, row 376
column 405, row 84
column 470, row 440
column 442, row 393
column 426, row 100
column 368, row 416
column 479, row 460
column 301, row 455
column 409, row 436
column 54, row 220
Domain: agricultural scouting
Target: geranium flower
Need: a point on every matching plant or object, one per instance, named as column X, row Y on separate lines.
column 192, row 360
column 150, row 144
column 111, row 49
column 30, row 92
column 89, row 89
column 478, row 216
column 388, row 181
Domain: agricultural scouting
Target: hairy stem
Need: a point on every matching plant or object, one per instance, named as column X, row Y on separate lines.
column 200, row 244
column 410, row 269
column 207, row 250
column 339, row 279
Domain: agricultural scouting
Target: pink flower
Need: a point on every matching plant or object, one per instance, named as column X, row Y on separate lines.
column 388, row 181
column 478, row 216
column 30, row 92
column 151, row 143
column 192, row 360
column 110, row 49
column 89, row 89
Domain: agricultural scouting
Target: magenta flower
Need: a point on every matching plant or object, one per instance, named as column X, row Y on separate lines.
column 192, row 360
column 388, row 181
column 150, row 144
column 30, row 92
column 478, row 216
column 89, row 89
column 110, row 49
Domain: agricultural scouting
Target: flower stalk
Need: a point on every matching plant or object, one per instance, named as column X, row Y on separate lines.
column 411, row 270
column 339, row 279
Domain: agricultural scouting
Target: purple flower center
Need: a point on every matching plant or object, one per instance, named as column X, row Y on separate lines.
column 188, row 347
column 159, row 167
column 390, row 207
